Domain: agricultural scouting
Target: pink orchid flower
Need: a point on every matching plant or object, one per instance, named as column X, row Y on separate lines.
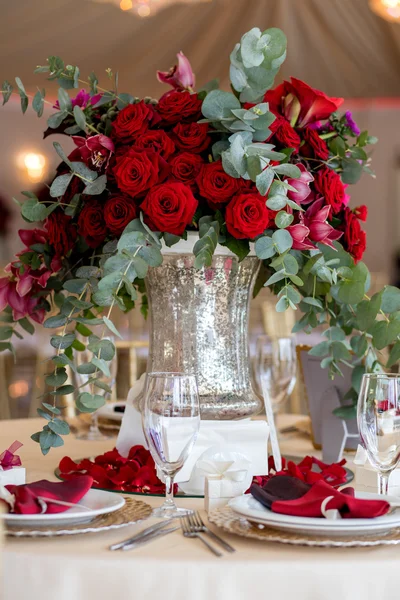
column 313, row 227
column 181, row 76
column 22, row 306
column 94, row 151
column 302, row 185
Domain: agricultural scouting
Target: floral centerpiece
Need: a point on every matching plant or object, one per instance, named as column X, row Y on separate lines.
column 259, row 164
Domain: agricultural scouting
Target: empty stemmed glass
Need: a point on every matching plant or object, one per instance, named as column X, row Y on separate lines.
column 378, row 417
column 171, row 421
column 275, row 367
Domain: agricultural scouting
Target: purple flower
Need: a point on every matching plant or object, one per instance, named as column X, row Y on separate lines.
column 82, row 99
column 351, row 124
column 181, row 76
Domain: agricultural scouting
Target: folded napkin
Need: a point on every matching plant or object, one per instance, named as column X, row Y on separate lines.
column 291, row 496
column 45, row 496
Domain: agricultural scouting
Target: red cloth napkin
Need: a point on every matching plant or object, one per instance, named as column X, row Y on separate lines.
column 307, row 502
column 26, row 496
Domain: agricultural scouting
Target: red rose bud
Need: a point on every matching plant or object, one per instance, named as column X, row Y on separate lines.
column 119, row 210
column 329, row 185
column 247, row 215
column 284, row 133
column 94, row 151
column 314, row 146
column 158, row 141
column 216, row 185
column 177, row 107
column 191, row 137
column 181, row 76
column 301, row 104
column 361, row 212
column 61, row 232
column 185, row 167
column 91, row 225
column 132, row 121
column 169, row 207
column 137, row 171
column 354, row 237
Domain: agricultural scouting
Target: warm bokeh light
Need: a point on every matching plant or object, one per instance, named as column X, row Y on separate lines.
column 143, row 10
column 147, row 8
column 18, row 389
column 33, row 163
column 126, row 4
column 387, row 9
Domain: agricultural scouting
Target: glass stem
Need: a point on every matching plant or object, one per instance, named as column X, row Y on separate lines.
column 383, row 479
column 169, row 491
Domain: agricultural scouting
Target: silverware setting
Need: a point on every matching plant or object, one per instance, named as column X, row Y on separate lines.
column 192, row 526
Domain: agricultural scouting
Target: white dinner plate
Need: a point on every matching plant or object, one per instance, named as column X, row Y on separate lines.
column 254, row 511
column 97, row 502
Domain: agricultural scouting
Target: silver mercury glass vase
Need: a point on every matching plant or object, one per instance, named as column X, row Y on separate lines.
column 199, row 324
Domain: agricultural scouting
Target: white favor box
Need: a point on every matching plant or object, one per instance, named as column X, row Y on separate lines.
column 366, row 480
column 14, row 476
column 213, row 490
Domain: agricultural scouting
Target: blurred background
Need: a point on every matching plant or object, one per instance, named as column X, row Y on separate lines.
column 347, row 48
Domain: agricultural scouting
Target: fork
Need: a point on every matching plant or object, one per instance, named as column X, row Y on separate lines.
column 189, row 531
column 199, row 526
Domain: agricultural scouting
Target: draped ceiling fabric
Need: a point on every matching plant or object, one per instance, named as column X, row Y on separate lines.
column 336, row 45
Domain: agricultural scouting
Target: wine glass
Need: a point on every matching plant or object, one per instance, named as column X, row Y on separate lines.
column 171, row 421
column 275, row 367
column 94, row 434
column 378, row 418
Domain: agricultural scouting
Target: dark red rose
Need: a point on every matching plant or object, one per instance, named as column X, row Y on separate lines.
column 158, row 141
column 61, row 232
column 95, row 151
column 301, row 104
column 329, row 184
column 132, row 121
column 216, row 185
column 361, row 212
column 137, row 171
column 169, row 207
column 119, row 210
column 247, row 215
column 192, row 136
column 285, row 134
column 313, row 146
column 176, row 107
column 354, row 239
column 91, row 224
column 185, row 167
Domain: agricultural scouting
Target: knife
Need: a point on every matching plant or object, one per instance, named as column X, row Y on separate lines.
column 150, row 537
column 141, row 534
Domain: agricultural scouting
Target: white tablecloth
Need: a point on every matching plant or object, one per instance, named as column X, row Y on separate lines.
column 174, row 568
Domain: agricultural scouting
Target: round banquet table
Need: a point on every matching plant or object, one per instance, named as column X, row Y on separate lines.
column 80, row 567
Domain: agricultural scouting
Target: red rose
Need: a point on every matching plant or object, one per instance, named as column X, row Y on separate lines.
column 285, row 134
column 91, row 225
column 119, row 210
column 136, row 172
column 329, row 184
column 217, row 186
column 158, row 141
column 192, row 136
column 169, row 207
column 179, row 106
column 313, row 146
column 61, row 232
column 361, row 212
column 354, row 239
column 185, row 167
column 301, row 104
column 132, row 121
column 247, row 215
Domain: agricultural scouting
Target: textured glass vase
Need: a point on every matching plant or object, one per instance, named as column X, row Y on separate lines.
column 199, row 324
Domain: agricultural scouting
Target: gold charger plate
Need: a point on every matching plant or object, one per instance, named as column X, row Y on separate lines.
column 132, row 512
column 231, row 522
